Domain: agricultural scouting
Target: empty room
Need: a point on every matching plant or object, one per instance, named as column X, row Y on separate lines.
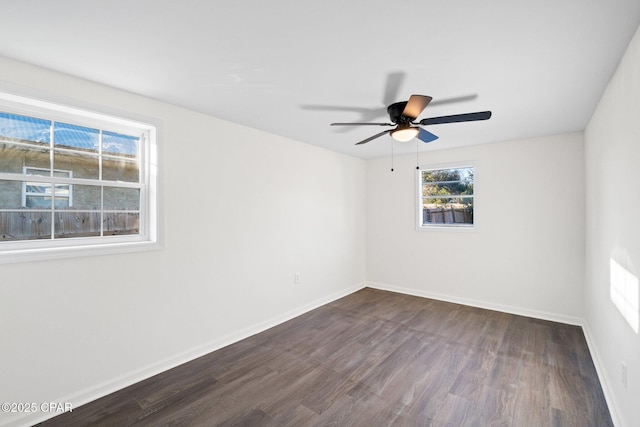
column 411, row 213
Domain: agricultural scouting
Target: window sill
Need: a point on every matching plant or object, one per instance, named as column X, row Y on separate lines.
column 14, row 255
column 452, row 228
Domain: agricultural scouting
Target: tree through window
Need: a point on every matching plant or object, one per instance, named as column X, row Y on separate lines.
column 446, row 196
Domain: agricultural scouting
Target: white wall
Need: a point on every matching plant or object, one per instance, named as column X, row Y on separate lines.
column 243, row 211
column 612, row 153
column 526, row 255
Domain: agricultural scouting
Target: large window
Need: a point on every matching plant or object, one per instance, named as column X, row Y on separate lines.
column 446, row 197
column 69, row 177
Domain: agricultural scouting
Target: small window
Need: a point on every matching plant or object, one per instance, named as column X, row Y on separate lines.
column 446, row 197
column 69, row 177
column 40, row 194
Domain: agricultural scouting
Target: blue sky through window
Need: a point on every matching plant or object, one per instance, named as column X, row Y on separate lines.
column 72, row 136
column 66, row 135
column 24, row 128
column 117, row 143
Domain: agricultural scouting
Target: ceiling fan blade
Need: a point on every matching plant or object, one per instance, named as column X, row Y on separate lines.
column 362, row 124
column 371, row 138
column 426, row 136
column 468, row 117
column 394, row 82
column 416, row 104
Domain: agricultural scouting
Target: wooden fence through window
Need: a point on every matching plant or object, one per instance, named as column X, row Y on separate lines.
column 449, row 215
column 29, row 225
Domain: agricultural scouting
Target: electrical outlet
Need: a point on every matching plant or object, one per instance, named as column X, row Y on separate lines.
column 624, row 374
column 296, row 278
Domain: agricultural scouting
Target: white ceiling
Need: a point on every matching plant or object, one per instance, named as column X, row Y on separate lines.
column 291, row 67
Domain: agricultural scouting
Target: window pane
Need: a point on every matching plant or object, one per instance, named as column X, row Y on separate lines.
column 120, row 145
column 121, row 198
column 452, row 188
column 81, row 165
column 62, row 202
column 120, row 169
column 38, row 188
column 76, row 137
column 24, row 129
column 10, row 194
column 13, row 157
column 25, row 225
column 455, row 210
column 37, row 172
column 77, row 224
column 441, row 175
column 447, row 201
column 86, row 197
column 118, row 223
column 62, row 190
column 42, row 202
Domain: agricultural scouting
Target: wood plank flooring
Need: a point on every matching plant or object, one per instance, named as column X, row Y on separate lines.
column 375, row 358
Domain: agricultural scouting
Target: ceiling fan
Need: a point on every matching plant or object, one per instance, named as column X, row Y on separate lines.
column 403, row 115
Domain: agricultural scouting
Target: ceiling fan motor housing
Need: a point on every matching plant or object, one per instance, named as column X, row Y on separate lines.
column 395, row 112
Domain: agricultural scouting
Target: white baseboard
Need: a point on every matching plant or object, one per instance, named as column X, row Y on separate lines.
column 604, row 379
column 481, row 304
column 100, row 390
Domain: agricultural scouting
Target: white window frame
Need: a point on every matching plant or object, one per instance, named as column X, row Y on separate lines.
column 419, row 204
column 148, row 236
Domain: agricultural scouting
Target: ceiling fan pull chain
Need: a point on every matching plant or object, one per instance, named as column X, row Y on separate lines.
column 417, row 156
column 391, row 156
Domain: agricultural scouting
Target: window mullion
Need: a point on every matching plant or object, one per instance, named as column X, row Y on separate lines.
column 143, row 179
column 52, row 145
column 100, row 158
column 101, row 211
column 100, row 155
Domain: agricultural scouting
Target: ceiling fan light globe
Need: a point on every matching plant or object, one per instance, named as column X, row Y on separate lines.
column 406, row 134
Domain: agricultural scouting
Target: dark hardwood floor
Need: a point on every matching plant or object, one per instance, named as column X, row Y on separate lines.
column 375, row 358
